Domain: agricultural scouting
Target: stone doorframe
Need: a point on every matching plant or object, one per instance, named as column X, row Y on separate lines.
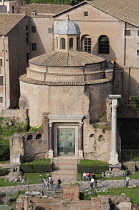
column 65, row 120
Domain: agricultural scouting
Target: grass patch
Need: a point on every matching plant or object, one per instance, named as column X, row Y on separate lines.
column 30, row 178
column 35, row 177
column 5, row 162
column 4, row 183
column 133, row 193
column 93, row 162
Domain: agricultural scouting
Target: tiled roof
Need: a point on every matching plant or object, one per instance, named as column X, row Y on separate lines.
column 125, row 10
column 44, row 8
column 70, row 58
column 8, row 21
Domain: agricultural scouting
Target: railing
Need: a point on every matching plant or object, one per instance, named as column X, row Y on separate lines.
column 129, row 154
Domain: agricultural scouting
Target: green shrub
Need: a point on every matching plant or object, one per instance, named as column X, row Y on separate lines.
column 4, row 150
column 4, row 171
column 95, row 166
column 26, row 168
column 37, row 166
column 95, row 169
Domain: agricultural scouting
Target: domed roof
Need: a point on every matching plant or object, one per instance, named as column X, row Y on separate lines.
column 67, row 27
column 71, row 58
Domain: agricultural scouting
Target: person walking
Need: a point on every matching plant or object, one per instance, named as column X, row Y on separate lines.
column 50, row 181
column 92, row 182
column 127, row 181
column 59, row 183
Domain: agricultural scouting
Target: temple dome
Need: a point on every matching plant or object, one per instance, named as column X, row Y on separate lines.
column 67, row 27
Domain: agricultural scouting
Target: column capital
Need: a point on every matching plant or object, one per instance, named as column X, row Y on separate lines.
column 50, row 124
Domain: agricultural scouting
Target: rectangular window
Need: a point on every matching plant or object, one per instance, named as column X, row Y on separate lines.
column 33, row 29
column 27, row 57
column 27, row 38
column 85, row 13
column 26, row 27
column 33, row 46
column 0, row 62
column 128, row 33
column 1, row 99
column 1, row 80
column 50, row 30
column 137, row 52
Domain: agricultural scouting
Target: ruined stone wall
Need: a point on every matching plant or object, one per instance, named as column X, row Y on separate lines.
column 100, row 203
column 97, row 141
column 29, row 146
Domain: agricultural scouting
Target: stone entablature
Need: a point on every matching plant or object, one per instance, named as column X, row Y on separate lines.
column 25, row 79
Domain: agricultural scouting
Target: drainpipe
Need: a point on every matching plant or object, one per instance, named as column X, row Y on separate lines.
column 3, row 2
column 125, row 46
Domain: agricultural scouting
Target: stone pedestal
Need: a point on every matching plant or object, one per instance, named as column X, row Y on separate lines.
column 80, row 154
column 50, row 154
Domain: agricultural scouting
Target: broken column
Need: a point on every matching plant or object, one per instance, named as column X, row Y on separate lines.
column 114, row 154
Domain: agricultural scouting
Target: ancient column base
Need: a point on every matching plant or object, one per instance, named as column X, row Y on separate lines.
column 80, row 154
column 114, row 158
column 50, row 154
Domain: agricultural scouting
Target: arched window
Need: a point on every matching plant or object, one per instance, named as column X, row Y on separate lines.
column 71, row 43
column 63, row 43
column 87, row 44
column 103, row 45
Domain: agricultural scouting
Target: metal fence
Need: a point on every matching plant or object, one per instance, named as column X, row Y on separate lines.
column 129, row 154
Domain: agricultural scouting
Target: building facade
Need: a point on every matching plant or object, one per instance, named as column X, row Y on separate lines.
column 70, row 83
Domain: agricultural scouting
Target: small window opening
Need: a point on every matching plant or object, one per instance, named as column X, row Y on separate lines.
column 33, row 46
column 85, row 13
column 30, row 137
column 128, row 33
column 63, row 43
column 33, row 29
column 71, row 43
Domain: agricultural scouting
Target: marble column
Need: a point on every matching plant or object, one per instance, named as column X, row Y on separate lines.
column 50, row 141
column 80, row 140
column 114, row 154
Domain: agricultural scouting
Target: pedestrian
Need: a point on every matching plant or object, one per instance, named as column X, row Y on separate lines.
column 127, row 181
column 84, row 175
column 23, row 182
column 89, row 176
column 50, row 181
column 45, row 183
column 92, row 182
column 59, row 182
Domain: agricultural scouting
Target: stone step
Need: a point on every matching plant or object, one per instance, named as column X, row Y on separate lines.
column 65, row 161
column 64, row 172
column 64, row 167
